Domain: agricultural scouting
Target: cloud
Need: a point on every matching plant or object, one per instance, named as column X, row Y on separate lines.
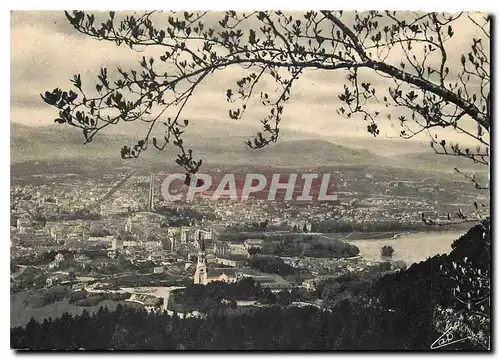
column 45, row 55
column 46, row 52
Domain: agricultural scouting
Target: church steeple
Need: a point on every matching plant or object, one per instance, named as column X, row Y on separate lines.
column 200, row 275
column 202, row 244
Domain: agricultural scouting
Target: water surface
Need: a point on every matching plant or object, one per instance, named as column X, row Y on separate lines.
column 409, row 248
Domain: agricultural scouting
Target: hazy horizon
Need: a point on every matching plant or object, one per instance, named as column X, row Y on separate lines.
column 46, row 52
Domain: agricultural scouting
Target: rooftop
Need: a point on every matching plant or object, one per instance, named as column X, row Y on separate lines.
column 254, row 241
column 216, row 272
column 235, row 257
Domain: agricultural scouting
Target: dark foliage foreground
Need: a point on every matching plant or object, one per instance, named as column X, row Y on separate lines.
column 397, row 312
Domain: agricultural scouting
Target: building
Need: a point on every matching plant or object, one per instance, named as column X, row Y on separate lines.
column 309, row 284
column 144, row 220
column 158, row 270
column 177, row 235
column 58, row 278
column 157, row 257
column 184, row 235
column 150, row 302
column 237, row 248
column 102, row 240
column 200, row 275
column 204, row 275
column 220, row 248
column 173, row 247
column 57, row 261
column 226, row 275
column 82, row 259
column 131, row 243
column 312, row 284
column 253, row 243
column 204, row 234
column 233, row 260
column 23, row 224
column 152, row 244
column 116, row 244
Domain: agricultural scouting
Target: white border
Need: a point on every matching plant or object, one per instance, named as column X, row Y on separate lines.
column 427, row 5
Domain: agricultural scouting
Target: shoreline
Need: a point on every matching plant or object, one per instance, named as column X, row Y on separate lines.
column 397, row 235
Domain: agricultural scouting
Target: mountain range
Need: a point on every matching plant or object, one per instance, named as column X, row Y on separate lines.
column 220, row 142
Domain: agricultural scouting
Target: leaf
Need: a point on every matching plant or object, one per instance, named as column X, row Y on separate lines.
column 161, row 35
column 251, row 38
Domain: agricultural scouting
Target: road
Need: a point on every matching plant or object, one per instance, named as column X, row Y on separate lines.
column 112, row 191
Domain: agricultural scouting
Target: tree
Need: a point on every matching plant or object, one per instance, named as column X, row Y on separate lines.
column 254, row 251
column 121, row 338
column 427, row 85
column 387, row 251
column 469, row 272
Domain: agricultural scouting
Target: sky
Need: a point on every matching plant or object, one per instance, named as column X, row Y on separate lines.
column 46, row 52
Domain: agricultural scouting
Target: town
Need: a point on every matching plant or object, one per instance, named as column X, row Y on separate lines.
column 230, row 188
column 113, row 237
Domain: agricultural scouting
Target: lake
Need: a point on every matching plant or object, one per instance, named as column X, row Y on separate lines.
column 409, row 248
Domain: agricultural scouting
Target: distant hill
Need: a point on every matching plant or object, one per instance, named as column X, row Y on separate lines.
column 218, row 142
column 306, row 153
column 431, row 160
column 214, row 146
column 56, row 141
column 387, row 147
